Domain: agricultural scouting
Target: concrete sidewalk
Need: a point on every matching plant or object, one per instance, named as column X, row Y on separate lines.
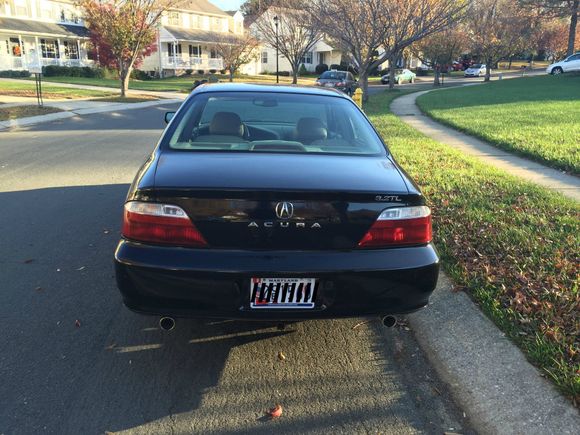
column 407, row 110
column 130, row 92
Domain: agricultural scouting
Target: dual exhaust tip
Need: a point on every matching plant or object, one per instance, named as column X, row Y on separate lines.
column 168, row 323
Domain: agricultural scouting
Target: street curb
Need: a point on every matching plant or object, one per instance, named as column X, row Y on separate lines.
column 488, row 376
column 23, row 122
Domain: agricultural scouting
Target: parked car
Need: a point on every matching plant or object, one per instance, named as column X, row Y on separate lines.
column 342, row 80
column 401, row 76
column 273, row 203
column 571, row 63
column 476, row 70
column 457, row 66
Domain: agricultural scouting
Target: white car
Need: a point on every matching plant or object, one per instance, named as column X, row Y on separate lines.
column 476, row 70
column 571, row 63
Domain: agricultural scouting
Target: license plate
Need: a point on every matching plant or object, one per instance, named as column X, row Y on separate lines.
column 329, row 85
column 283, row 292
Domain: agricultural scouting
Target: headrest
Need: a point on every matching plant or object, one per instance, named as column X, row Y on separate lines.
column 226, row 123
column 309, row 130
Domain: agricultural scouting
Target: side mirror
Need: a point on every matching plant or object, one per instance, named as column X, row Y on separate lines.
column 169, row 116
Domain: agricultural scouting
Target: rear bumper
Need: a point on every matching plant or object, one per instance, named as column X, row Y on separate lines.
column 183, row 282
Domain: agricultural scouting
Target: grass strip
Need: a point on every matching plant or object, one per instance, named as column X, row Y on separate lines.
column 537, row 117
column 27, row 89
column 513, row 246
column 14, row 112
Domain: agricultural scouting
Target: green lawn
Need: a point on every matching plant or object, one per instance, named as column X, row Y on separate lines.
column 513, row 246
column 175, row 84
column 538, row 117
column 27, row 89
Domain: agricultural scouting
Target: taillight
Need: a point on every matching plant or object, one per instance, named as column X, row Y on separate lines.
column 160, row 223
column 399, row 226
column 341, row 84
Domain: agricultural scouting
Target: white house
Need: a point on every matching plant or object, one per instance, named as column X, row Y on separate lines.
column 321, row 52
column 187, row 36
column 45, row 32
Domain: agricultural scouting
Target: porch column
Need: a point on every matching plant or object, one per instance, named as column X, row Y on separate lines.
column 38, row 51
column 22, row 57
column 175, row 54
column 79, row 52
column 58, row 50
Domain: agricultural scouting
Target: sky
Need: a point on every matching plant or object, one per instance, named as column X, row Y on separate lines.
column 227, row 5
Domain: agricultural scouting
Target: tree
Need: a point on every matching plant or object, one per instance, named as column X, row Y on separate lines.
column 125, row 29
column 296, row 34
column 253, row 8
column 497, row 29
column 552, row 38
column 373, row 31
column 561, row 9
column 440, row 49
column 236, row 51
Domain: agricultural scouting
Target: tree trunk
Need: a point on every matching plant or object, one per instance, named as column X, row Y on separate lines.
column 510, row 62
column 487, row 71
column 363, row 80
column 231, row 75
column 392, row 65
column 436, row 81
column 573, row 24
column 124, row 75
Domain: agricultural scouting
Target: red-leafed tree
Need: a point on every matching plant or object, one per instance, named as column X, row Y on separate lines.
column 124, row 31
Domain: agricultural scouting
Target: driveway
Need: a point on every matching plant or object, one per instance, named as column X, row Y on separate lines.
column 75, row 361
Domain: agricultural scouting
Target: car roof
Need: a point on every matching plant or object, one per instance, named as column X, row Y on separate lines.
column 280, row 89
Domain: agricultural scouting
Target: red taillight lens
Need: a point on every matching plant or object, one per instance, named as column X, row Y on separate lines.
column 398, row 227
column 160, row 223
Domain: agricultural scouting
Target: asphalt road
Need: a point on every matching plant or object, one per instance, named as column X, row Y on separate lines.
column 74, row 360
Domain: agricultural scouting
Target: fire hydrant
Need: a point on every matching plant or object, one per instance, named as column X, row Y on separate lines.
column 357, row 97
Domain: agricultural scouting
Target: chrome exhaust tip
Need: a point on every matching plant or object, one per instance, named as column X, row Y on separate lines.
column 389, row 321
column 167, row 323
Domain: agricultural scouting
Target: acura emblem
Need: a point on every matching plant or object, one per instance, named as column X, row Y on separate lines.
column 284, row 210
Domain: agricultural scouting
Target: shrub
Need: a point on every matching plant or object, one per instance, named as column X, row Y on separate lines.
column 14, row 74
column 201, row 72
column 137, row 74
column 212, row 71
column 335, row 66
column 188, row 72
column 320, row 68
column 302, row 70
column 223, row 71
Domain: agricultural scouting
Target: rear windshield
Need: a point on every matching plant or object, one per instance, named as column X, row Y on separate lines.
column 273, row 122
column 333, row 75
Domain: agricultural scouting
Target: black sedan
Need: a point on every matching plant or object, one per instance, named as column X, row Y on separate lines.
column 278, row 203
column 342, row 80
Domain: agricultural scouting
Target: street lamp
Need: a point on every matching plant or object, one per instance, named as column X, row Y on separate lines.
column 276, row 19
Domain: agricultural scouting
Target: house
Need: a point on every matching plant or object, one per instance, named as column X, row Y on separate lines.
column 187, row 36
column 320, row 52
column 41, row 32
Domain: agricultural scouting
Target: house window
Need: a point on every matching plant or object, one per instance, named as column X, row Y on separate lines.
column 49, row 48
column 213, row 54
column 71, row 49
column 195, row 21
column 173, row 18
column 307, row 58
column 264, row 57
column 194, row 51
column 171, row 49
column 21, row 8
column 14, row 47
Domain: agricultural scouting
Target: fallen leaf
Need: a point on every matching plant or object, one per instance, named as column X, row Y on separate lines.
column 77, row 323
column 30, row 260
column 38, row 289
column 81, row 268
column 275, row 412
column 106, row 231
column 281, row 356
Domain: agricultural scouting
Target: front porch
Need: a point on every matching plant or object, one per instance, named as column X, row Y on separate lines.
column 20, row 52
